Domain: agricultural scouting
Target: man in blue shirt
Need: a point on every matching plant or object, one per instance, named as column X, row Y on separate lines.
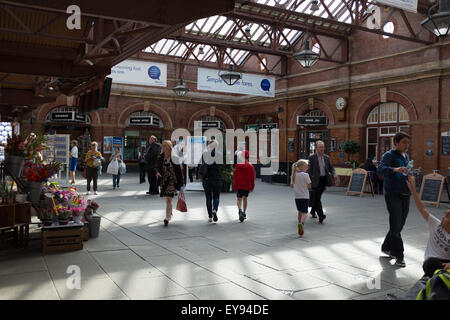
column 396, row 193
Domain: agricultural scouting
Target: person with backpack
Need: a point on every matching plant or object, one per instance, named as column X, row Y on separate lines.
column 437, row 253
column 244, row 183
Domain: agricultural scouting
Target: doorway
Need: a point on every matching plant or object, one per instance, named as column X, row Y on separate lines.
column 308, row 140
column 386, row 144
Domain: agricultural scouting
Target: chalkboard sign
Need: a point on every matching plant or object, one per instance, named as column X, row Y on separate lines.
column 357, row 182
column 445, row 143
column 431, row 189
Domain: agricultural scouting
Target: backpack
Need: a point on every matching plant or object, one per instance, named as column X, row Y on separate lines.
column 437, row 287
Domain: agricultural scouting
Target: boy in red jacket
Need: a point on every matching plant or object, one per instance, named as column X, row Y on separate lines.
column 243, row 182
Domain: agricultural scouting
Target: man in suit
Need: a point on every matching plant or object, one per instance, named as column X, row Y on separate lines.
column 319, row 168
column 151, row 157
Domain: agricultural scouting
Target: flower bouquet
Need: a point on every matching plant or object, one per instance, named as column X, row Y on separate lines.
column 25, row 147
column 91, row 208
column 36, row 171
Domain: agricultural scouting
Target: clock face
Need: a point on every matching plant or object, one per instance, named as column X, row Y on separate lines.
column 340, row 103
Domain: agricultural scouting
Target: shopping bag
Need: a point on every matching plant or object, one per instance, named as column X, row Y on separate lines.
column 113, row 167
column 122, row 167
column 181, row 203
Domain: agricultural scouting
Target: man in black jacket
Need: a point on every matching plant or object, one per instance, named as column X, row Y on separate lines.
column 319, row 169
column 151, row 157
column 212, row 179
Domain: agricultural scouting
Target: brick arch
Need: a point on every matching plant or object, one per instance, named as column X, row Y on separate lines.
column 373, row 100
column 48, row 107
column 304, row 108
column 140, row 106
column 206, row 112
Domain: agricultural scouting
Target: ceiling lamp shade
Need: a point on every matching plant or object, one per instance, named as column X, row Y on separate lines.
column 230, row 77
column 200, row 51
column 248, row 31
column 180, row 90
column 314, row 5
column 307, row 58
column 438, row 23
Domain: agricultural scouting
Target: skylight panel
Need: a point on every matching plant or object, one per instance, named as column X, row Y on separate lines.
column 226, row 28
column 213, row 25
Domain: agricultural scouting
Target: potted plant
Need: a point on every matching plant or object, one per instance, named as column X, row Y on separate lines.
column 351, row 147
column 64, row 215
column 36, row 172
column 46, row 216
column 18, row 148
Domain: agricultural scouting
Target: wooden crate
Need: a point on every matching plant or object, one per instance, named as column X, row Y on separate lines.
column 23, row 213
column 7, row 215
column 62, row 239
column 86, row 231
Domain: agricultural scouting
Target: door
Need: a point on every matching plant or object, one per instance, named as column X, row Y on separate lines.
column 308, row 141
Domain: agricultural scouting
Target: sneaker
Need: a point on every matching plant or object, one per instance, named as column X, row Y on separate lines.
column 241, row 215
column 209, row 219
column 314, row 216
column 87, row 193
column 400, row 262
column 244, row 214
column 215, row 216
column 322, row 218
column 166, row 222
column 95, row 192
column 118, row 186
column 114, row 188
column 300, row 229
column 148, row 192
column 388, row 253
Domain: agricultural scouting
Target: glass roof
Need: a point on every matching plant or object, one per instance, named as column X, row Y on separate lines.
column 224, row 28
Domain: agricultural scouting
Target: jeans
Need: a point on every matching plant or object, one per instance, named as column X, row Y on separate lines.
column 116, row 179
column 212, row 193
column 398, row 208
column 91, row 174
column 316, row 195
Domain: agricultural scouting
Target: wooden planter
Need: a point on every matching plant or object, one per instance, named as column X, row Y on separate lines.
column 23, row 213
column 86, row 231
column 7, row 215
column 57, row 240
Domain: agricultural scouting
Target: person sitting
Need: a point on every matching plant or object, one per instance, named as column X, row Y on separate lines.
column 372, row 169
column 437, row 253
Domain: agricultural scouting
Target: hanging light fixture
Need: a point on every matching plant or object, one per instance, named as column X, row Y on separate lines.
column 180, row 90
column 438, row 23
column 230, row 77
column 248, row 31
column 314, row 5
column 307, row 58
column 200, row 51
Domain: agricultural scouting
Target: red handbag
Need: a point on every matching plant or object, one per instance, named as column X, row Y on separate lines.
column 181, row 203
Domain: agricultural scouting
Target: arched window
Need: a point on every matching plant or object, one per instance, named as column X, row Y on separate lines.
column 67, row 114
column 383, row 122
column 144, row 118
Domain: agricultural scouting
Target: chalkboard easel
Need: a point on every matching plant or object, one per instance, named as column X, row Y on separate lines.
column 431, row 189
column 357, row 183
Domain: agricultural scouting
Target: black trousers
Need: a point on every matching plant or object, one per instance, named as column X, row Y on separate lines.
column 153, row 181
column 91, row 175
column 316, row 195
column 432, row 264
column 398, row 208
column 212, row 193
column 141, row 172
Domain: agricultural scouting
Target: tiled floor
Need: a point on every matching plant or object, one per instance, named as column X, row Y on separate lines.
column 136, row 257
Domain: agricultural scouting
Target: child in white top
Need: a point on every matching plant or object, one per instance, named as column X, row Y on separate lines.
column 301, row 182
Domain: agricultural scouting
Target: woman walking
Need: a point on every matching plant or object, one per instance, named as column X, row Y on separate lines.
column 93, row 161
column 116, row 177
column 73, row 160
column 169, row 173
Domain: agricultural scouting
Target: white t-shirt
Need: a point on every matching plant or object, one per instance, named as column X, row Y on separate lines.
column 74, row 152
column 301, row 185
column 439, row 242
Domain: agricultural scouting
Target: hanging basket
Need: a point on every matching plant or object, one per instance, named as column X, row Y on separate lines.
column 35, row 189
column 15, row 165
